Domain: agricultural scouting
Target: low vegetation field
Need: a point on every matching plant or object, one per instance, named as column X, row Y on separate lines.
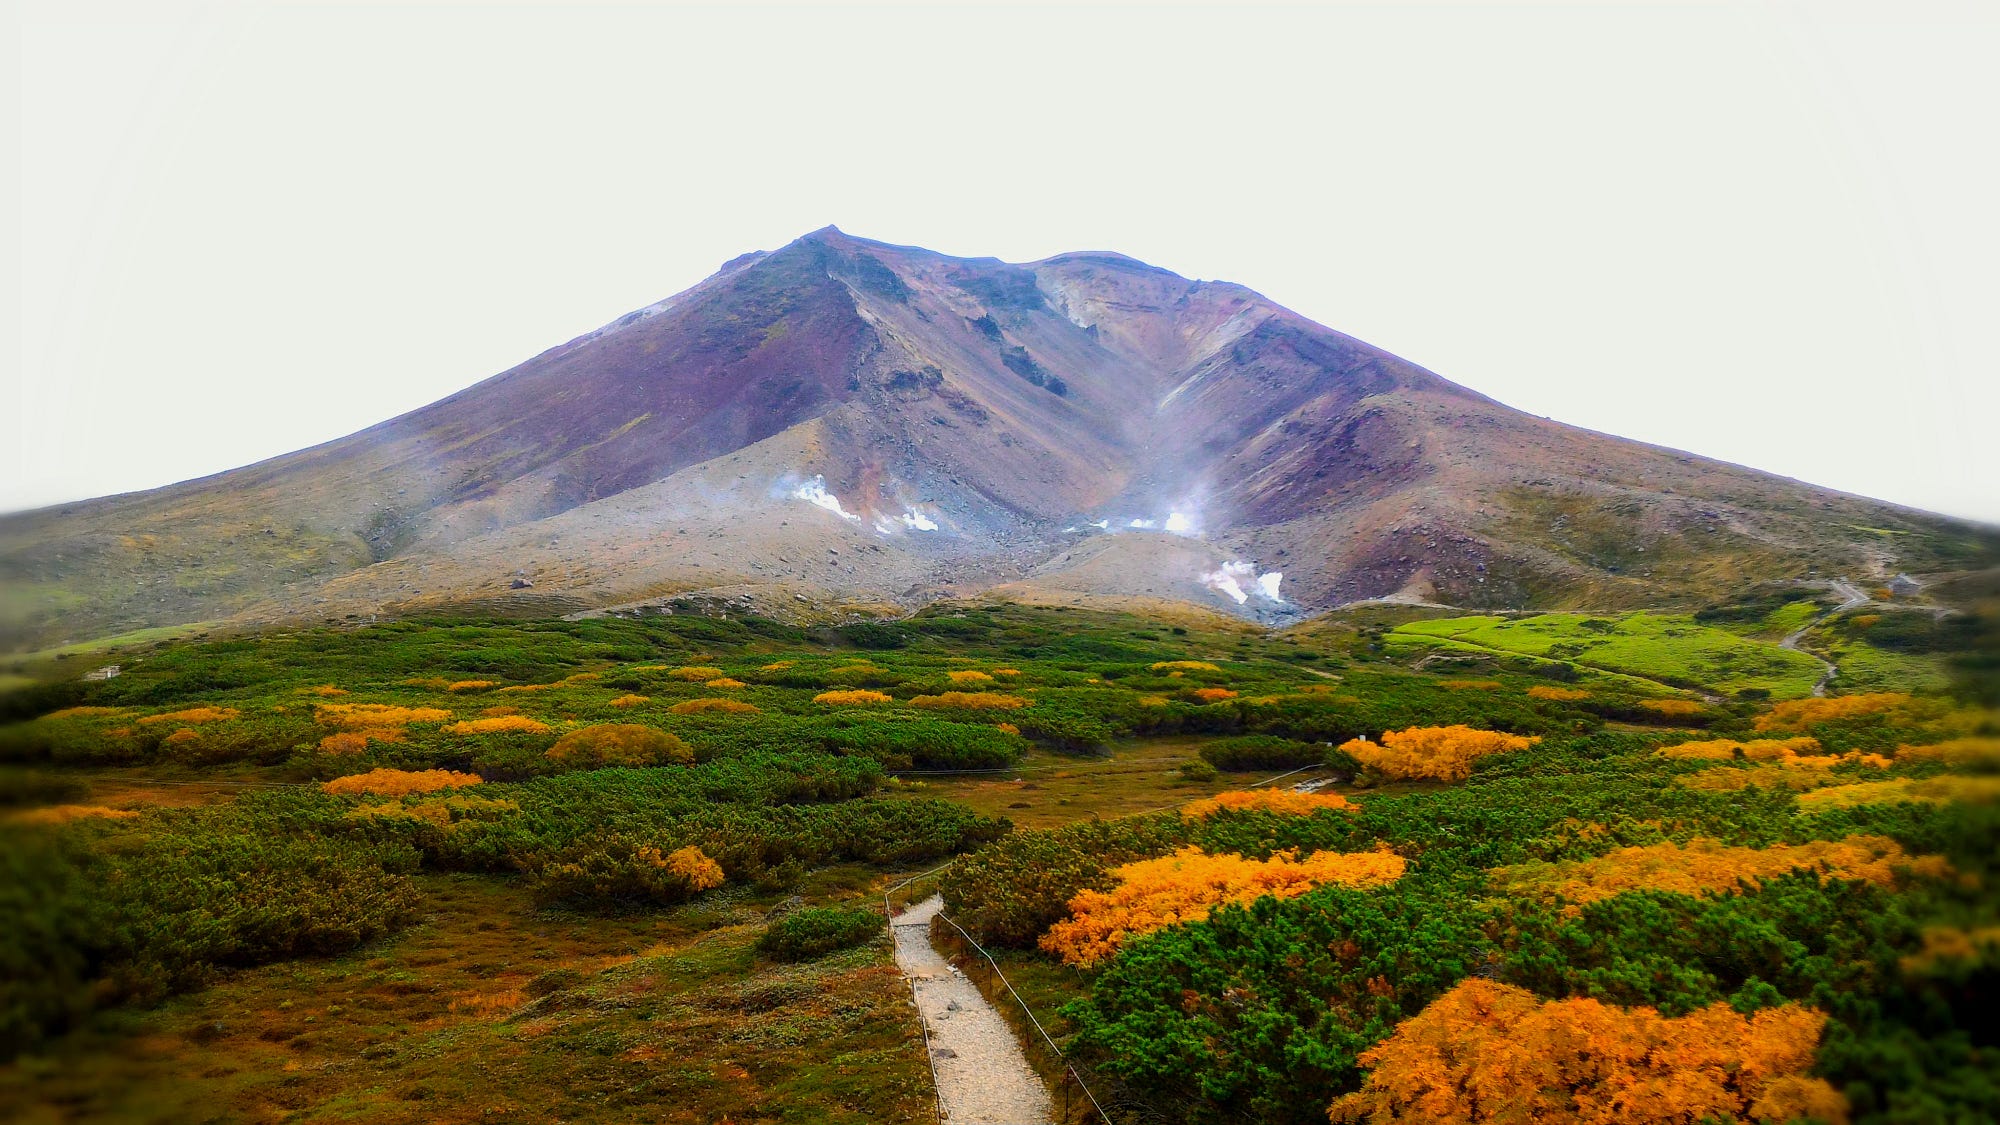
column 632, row 869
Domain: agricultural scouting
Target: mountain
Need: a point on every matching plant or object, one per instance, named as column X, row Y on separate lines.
column 842, row 422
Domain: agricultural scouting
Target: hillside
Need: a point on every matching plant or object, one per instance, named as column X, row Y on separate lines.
column 842, row 422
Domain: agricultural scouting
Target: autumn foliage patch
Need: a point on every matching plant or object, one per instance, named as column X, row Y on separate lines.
column 1440, row 753
column 397, row 783
column 1491, row 1052
column 1282, row 801
column 619, row 744
column 1799, row 714
column 351, row 715
column 969, row 701
column 713, row 707
column 499, row 724
column 1702, row 866
column 1183, row 887
column 853, row 698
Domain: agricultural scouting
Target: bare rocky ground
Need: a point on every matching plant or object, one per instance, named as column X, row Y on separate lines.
column 982, row 1076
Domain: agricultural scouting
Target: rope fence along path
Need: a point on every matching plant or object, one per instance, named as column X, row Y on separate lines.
column 982, row 1076
column 917, row 931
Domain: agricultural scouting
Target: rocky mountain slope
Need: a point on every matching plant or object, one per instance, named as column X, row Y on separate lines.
column 842, row 421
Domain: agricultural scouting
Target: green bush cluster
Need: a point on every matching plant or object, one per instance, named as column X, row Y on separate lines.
column 815, row 931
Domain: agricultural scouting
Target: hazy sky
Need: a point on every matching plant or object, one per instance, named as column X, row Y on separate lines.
column 1762, row 232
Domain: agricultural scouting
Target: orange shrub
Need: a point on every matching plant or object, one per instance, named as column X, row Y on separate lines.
column 969, row 701
column 725, row 683
column 1560, row 694
column 325, row 690
column 499, row 724
column 1006, row 728
column 1798, row 714
column 1213, row 694
column 691, row 864
column 968, row 676
column 630, row 700
column 1944, row 944
column 1703, row 865
column 1287, row 801
column 1471, row 685
column 851, row 698
column 356, row 741
column 776, row 666
column 713, row 707
column 471, row 685
column 82, row 712
column 181, row 737
column 1153, row 894
column 1981, row 752
column 699, row 673
column 1728, row 779
column 63, row 814
column 1726, row 749
column 1896, row 790
column 1185, row 666
column 1444, row 753
column 620, row 744
column 194, row 715
column 1676, row 708
column 1492, row 1052
column 1006, row 671
column 397, row 783
column 522, row 689
column 350, row 715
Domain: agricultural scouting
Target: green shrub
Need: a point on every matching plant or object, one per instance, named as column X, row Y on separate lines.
column 816, row 931
column 1262, row 752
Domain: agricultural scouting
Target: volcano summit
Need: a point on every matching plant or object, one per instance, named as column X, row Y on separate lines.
column 845, row 422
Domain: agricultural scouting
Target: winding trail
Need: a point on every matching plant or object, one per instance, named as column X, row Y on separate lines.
column 982, row 1076
column 1853, row 597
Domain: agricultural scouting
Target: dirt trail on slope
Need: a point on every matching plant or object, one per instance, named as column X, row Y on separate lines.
column 1852, row 598
column 982, row 1076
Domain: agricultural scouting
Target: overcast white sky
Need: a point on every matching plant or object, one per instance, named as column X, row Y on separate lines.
column 1764, row 232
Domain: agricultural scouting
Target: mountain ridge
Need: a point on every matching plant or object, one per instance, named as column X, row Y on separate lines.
column 673, row 450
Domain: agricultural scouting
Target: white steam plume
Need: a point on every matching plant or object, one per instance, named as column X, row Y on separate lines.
column 814, row 492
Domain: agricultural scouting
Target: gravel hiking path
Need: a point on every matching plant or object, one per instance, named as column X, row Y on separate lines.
column 1852, row 597
column 982, row 1076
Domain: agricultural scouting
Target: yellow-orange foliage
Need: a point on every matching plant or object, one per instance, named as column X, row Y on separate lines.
column 471, row 685
column 969, row 700
column 1213, row 694
column 397, row 783
column 1006, row 728
column 194, row 715
column 1185, row 666
column 1544, row 691
column 351, row 715
column 522, row 689
column 327, row 691
column 499, row 724
column 182, row 737
column 776, row 666
column 1288, row 801
column 630, row 700
column 1444, row 753
column 850, row 698
column 620, row 744
column 63, row 814
column 1895, row 790
column 1006, row 671
column 1728, row 779
column 1951, row 943
column 1984, row 752
column 356, row 741
column 1155, row 893
column 1492, row 1052
column 713, row 707
column 699, row 673
column 1703, row 865
column 724, row 682
column 1471, row 685
column 1675, row 707
column 1798, row 714
column 692, row 864
column 82, row 712
column 1727, row 749
column 968, row 676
